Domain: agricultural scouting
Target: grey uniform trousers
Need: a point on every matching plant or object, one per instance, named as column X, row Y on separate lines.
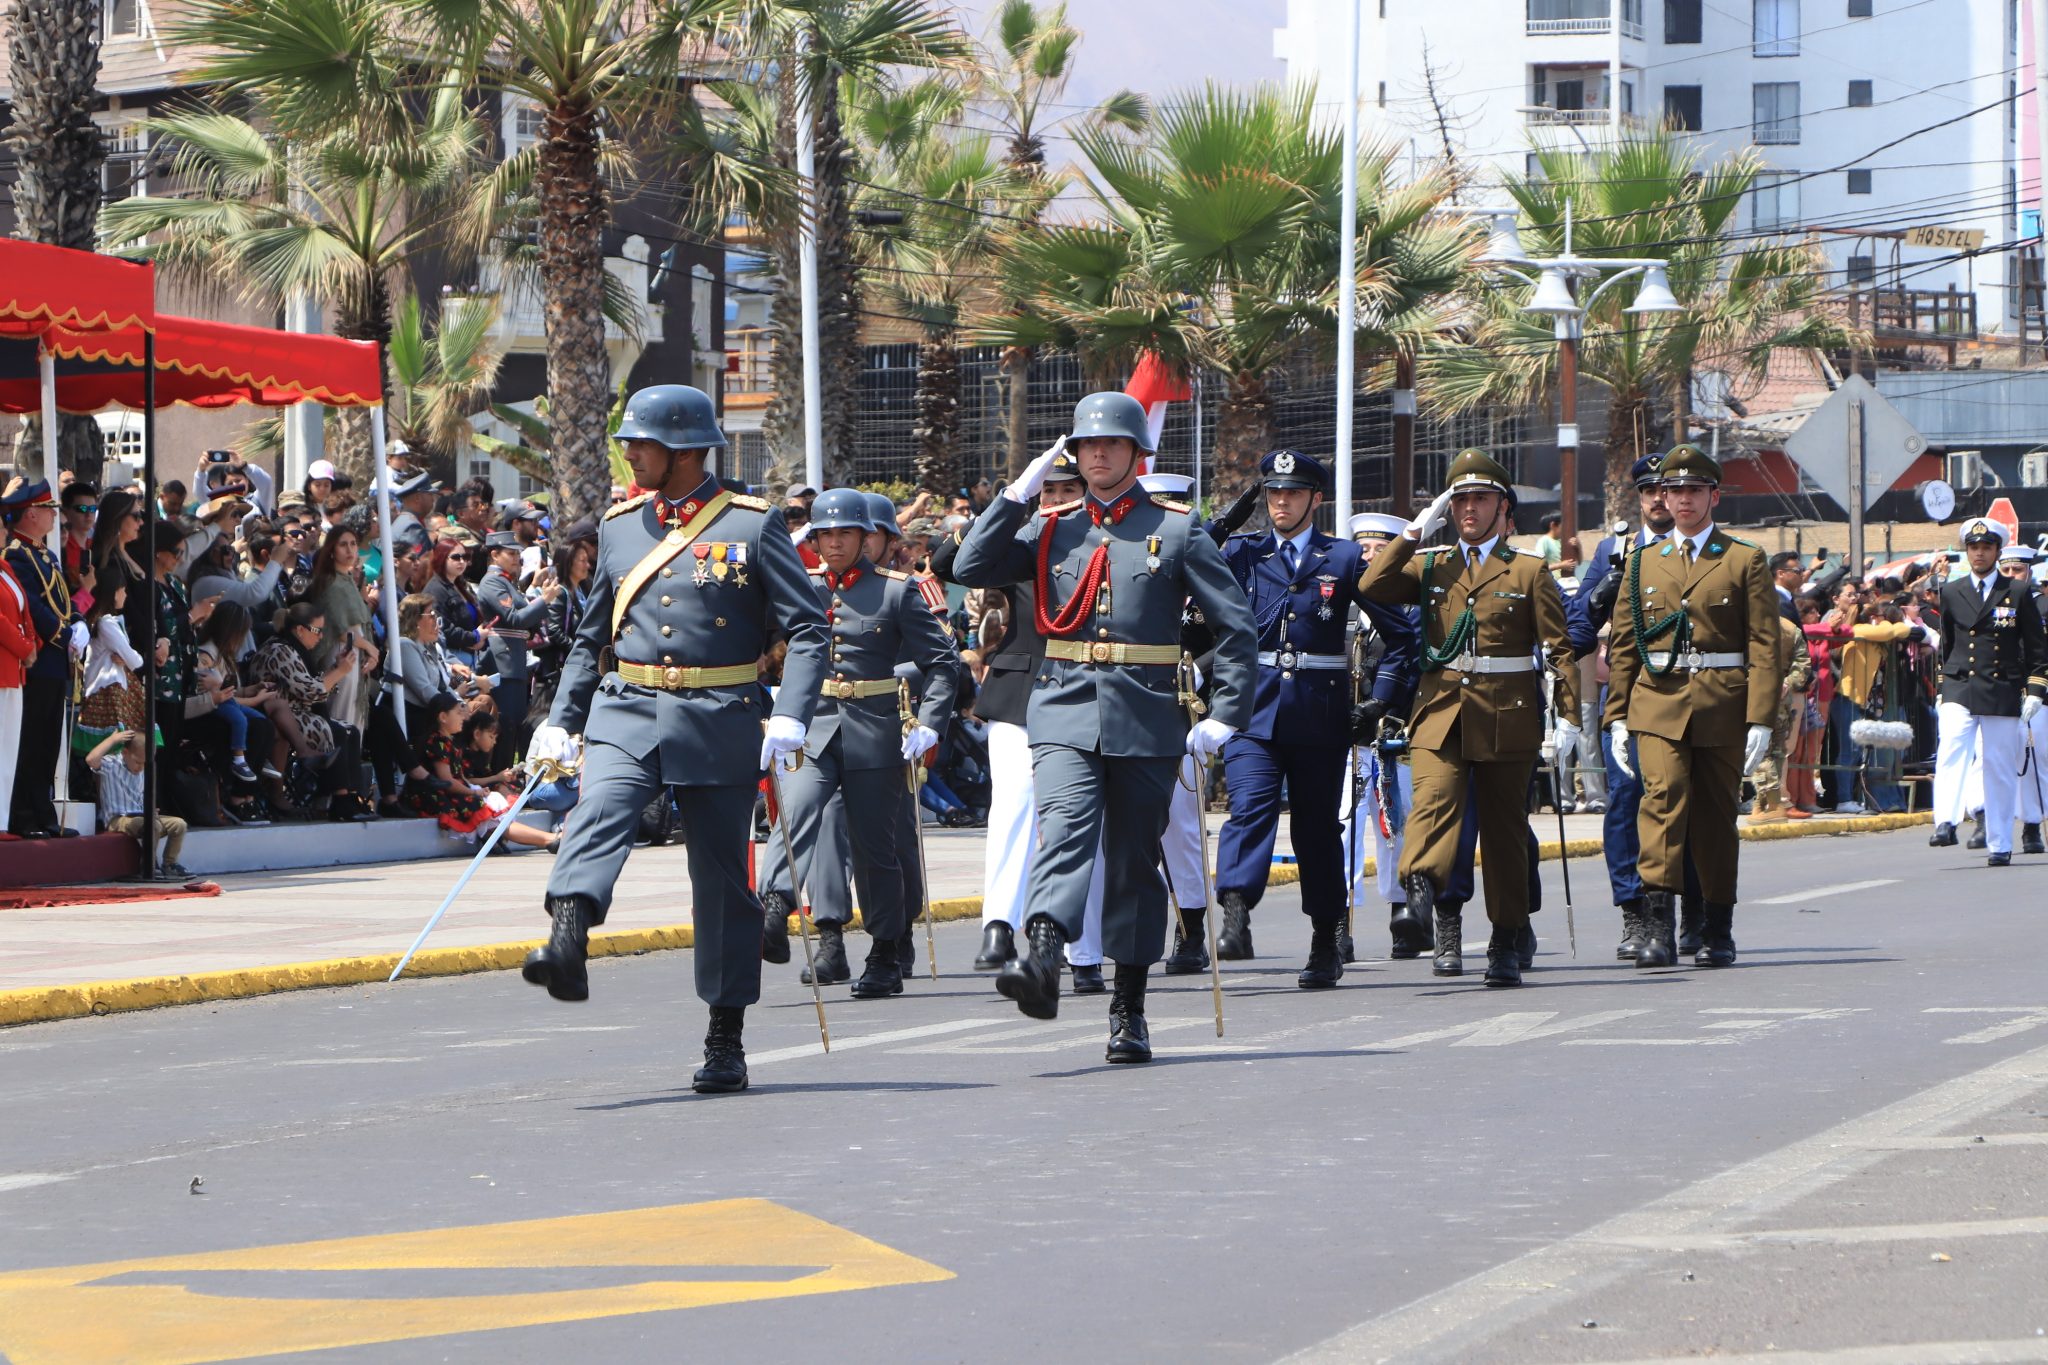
column 1086, row 799
column 716, row 824
column 874, row 798
column 830, row 886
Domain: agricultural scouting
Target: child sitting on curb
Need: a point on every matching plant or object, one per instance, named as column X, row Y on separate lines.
column 120, row 781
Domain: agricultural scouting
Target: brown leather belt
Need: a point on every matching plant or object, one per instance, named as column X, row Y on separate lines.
column 1110, row 652
column 671, row 678
column 846, row 689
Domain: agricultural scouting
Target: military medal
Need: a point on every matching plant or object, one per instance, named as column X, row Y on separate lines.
column 1329, row 590
column 1152, row 554
column 702, row 573
column 719, row 568
column 739, row 566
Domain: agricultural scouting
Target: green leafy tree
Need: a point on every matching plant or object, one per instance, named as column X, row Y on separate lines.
column 441, row 376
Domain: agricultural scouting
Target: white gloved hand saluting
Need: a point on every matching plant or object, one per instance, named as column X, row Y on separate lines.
column 1208, row 737
column 783, row 742
column 1617, row 736
column 2030, row 707
column 1033, row 478
column 551, row 744
column 918, row 741
column 1754, row 746
column 1432, row 519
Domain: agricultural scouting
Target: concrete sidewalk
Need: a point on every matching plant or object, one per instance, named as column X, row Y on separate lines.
column 333, row 926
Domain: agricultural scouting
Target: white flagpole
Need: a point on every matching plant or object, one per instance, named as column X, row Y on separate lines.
column 1347, row 277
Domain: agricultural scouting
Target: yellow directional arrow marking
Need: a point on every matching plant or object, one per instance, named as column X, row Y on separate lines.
column 70, row 1314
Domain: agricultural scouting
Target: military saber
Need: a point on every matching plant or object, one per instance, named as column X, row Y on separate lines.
column 796, row 886
column 1564, row 857
column 540, row 770
column 1193, row 704
column 1351, row 879
column 911, row 776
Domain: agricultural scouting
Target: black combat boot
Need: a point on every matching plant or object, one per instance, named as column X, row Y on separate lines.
column 1190, row 954
column 774, row 927
column 1503, row 958
column 1347, row 951
column 1660, row 944
column 1717, row 938
column 828, row 963
column 1691, row 919
column 1033, row 980
column 906, row 956
column 1088, row 978
column 725, row 1061
column 1635, row 930
column 1234, row 939
column 1944, row 836
column 1977, row 839
column 1325, row 964
column 998, row 945
column 1129, row 1039
column 1450, row 939
column 1525, row 945
column 1408, row 927
column 882, row 976
column 2030, row 839
column 558, row 964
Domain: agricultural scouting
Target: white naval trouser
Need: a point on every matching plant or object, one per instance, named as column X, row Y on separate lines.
column 1386, row 850
column 1994, row 743
column 1012, row 838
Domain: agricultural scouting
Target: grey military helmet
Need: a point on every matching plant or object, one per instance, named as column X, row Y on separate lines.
column 881, row 512
column 841, row 508
column 1112, row 414
column 675, row 415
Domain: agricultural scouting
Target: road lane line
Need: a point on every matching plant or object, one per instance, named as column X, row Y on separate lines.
column 28, row 1180
column 1818, row 892
column 788, row 1054
column 1855, row 1235
column 2024, row 1351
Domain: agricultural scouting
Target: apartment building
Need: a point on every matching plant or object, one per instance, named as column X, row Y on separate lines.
column 1874, row 117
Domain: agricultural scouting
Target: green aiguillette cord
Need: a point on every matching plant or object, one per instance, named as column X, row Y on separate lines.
column 1462, row 630
column 1677, row 621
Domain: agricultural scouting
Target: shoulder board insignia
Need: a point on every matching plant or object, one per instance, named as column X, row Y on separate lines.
column 896, row 574
column 819, row 572
column 627, row 506
column 1738, row 540
column 752, row 503
column 1185, row 509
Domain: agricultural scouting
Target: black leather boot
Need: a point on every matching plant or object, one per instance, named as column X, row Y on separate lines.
column 1660, row 944
column 1977, row 838
column 2030, row 839
column 558, row 964
column 1503, row 958
column 1717, row 938
column 774, row 927
column 906, row 956
column 881, row 976
column 1190, row 954
column 828, row 962
column 998, row 945
column 1347, row 951
column 1692, row 918
column 1033, row 979
column 1635, row 930
column 1525, row 946
column 1234, row 938
column 1088, row 978
column 1408, row 927
column 1944, row 836
column 1325, row 964
column 1129, row 1039
column 725, row 1061
column 1450, row 940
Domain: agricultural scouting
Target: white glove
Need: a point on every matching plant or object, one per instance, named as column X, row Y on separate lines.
column 1208, row 737
column 1566, row 738
column 1755, row 747
column 918, row 740
column 1432, row 519
column 1617, row 735
column 551, row 744
column 1033, row 478
column 783, row 742
column 2030, row 707
column 81, row 639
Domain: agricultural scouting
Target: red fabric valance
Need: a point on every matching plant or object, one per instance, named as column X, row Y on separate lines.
column 52, row 286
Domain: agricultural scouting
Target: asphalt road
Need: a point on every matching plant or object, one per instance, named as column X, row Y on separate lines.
column 1606, row 1165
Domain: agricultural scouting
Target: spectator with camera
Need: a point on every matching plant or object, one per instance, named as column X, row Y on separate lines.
column 455, row 602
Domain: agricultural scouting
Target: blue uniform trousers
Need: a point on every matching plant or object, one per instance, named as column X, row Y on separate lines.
column 1618, row 826
column 1313, row 775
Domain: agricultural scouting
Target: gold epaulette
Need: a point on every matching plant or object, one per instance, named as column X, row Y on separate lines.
column 628, row 505
column 1185, row 509
column 748, row 500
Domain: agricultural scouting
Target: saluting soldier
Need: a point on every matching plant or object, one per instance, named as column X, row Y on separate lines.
column 28, row 510
column 1490, row 615
column 858, row 744
column 662, row 683
column 1693, row 679
column 1301, row 585
column 1112, row 574
column 1994, row 674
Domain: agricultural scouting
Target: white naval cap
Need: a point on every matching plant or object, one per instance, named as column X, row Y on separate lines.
column 2019, row 552
column 1173, row 485
column 1376, row 524
column 1977, row 527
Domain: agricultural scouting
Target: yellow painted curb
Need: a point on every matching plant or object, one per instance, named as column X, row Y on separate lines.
column 43, row 1003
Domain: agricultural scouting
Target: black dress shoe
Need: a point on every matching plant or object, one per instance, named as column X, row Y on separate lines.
column 998, row 945
column 1635, row 930
column 1088, row 978
column 1129, row 1039
column 828, row 963
column 1033, row 979
column 1525, row 946
column 1503, row 959
column 725, row 1060
column 559, row 963
column 774, row 927
column 1717, row 947
column 2030, row 839
column 1190, row 954
column 1660, row 945
column 1325, row 966
column 1944, row 836
column 1234, row 937
column 881, row 977
column 1691, row 920
column 1977, row 838
column 1999, row 860
column 1411, row 936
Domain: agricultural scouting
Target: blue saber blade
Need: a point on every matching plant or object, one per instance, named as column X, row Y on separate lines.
column 504, row 823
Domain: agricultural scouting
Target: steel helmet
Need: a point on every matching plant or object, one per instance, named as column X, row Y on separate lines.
column 675, row 415
column 881, row 514
column 840, row 509
column 1112, row 414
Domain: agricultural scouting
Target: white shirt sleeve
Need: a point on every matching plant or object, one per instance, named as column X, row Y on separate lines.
column 114, row 639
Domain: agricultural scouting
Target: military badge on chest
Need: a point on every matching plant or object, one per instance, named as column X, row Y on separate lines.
column 1152, row 554
column 1327, row 586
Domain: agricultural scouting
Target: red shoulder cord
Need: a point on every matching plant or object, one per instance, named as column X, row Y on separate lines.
column 1082, row 602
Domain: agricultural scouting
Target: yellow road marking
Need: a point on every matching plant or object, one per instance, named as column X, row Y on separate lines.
column 63, row 1315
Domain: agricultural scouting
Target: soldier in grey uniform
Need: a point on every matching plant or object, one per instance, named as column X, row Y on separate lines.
column 1112, row 574
column 858, row 744
column 510, row 618
column 662, row 683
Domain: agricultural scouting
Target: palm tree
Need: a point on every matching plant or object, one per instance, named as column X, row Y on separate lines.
column 1646, row 196
column 532, row 454
column 442, row 375
column 53, row 71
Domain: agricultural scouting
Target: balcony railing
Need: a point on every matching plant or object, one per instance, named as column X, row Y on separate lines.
column 1549, row 17
column 1781, row 133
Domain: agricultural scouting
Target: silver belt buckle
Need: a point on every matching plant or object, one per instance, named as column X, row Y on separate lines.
column 1694, row 660
column 1288, row 658
column 1468, row 663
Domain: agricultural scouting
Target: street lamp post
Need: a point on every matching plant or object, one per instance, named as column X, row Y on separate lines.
column 1556, row 284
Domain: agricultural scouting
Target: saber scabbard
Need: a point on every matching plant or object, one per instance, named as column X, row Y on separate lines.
column 913, row 774
column 803, row 905
column 1192, row 701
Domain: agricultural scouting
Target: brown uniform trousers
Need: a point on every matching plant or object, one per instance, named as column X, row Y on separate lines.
column 1481, row 727
column 1690, row 725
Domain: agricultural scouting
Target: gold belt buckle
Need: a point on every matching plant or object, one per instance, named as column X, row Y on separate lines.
column 672, row 677
column 843, row 690
column 1101, row 652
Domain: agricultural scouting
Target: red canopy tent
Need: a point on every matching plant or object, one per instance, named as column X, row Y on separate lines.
column 53, row 286
column 203, row 365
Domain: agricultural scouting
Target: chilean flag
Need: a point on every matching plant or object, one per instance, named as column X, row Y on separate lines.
column 1154, row 385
